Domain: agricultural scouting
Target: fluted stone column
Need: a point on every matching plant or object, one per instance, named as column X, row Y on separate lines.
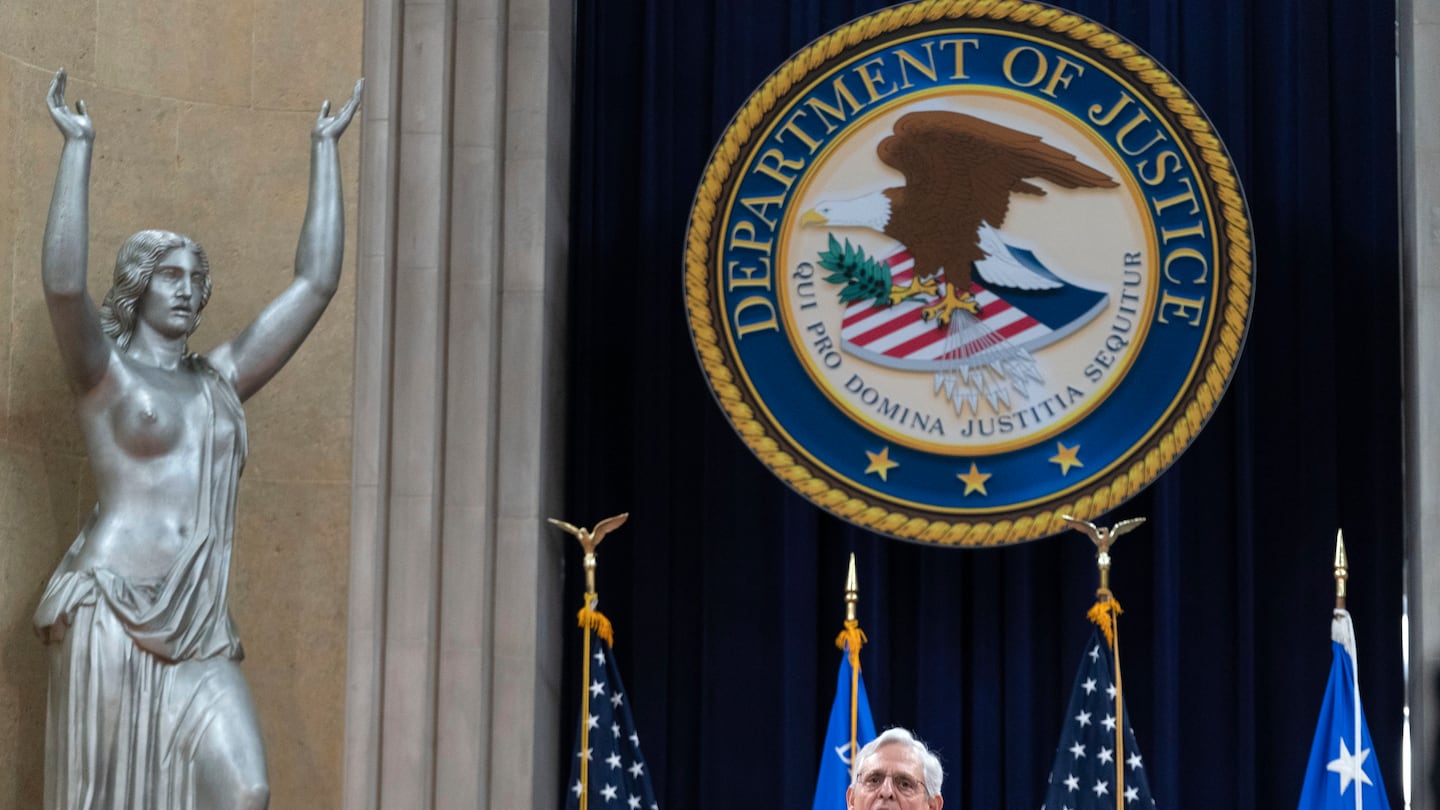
column 1419, row 105
column 454, row 659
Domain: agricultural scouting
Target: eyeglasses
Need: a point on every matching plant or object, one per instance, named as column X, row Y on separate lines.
column 905, row 784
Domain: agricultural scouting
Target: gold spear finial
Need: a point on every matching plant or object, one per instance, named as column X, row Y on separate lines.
column 1342, row 569
column 851, row 639
column 852, row 591
column 589, row 539
column 1103, row 538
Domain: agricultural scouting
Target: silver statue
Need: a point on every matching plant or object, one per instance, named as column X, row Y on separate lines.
column 147, row 707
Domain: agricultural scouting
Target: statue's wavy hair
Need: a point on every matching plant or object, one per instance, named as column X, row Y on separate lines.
column 134, row 265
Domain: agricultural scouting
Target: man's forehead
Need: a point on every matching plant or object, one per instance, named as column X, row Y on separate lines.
column 898, row 753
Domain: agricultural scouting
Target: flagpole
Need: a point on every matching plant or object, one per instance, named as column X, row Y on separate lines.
column 852, row 596
column 1105, row 613
column 590, row 619
column 1103, row 595
column 591, row 600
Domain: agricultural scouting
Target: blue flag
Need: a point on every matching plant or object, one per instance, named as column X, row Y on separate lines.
column 1343, row 773
column 616, row 772
column 1090, row 771
column 835, row 754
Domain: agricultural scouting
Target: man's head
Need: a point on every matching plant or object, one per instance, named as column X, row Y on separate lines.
column 895, row 771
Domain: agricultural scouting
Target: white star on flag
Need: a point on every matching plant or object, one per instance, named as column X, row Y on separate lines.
column 1350, row 766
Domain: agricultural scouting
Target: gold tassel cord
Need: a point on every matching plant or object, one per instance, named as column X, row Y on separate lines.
column 851, row 639
column 592, row 619
column 1105, row 614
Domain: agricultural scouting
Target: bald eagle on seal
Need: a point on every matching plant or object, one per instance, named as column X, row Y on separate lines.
column 959, row 174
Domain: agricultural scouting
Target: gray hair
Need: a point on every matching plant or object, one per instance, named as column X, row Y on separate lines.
column 134, row 265
column 934, row 774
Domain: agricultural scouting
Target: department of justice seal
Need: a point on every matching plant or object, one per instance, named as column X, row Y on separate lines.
column 958, row 268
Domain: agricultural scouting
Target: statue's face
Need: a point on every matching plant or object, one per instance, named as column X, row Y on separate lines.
column 171, row 303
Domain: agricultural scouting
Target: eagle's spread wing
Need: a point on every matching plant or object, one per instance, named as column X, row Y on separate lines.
column 575, row 530
column 959, row 172
column 608, row 525
column 1125, row 526
column 1000, row 268
column 1083, row 526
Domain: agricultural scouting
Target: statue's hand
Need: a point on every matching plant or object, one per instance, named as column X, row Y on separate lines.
column 74, row 124
column 331, row 127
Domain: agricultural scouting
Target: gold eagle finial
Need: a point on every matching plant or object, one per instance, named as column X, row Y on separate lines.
column 1103, row 537
column 589, row 539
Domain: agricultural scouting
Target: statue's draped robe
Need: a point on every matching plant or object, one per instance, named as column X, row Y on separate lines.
column 140, row 670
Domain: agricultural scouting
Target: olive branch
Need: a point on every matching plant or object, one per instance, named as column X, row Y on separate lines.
column 862, row 276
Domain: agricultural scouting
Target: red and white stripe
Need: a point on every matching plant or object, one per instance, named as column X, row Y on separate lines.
column 901, row 333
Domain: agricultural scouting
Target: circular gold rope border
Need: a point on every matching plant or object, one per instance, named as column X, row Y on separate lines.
column 1101, row 497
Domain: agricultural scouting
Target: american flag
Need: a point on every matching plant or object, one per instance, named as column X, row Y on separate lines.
column 617, row 775
column 1089, row 772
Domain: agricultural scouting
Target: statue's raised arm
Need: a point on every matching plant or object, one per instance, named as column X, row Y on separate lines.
column 263, row 347
column 84, row 347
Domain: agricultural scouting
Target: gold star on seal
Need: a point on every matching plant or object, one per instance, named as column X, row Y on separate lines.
column 974, row 480
column 881, row 464
column 1067, row 457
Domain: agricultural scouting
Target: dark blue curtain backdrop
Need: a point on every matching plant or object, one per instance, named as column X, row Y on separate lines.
column 726, row 588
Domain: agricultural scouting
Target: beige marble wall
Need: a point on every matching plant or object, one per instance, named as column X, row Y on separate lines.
column 203, row 112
